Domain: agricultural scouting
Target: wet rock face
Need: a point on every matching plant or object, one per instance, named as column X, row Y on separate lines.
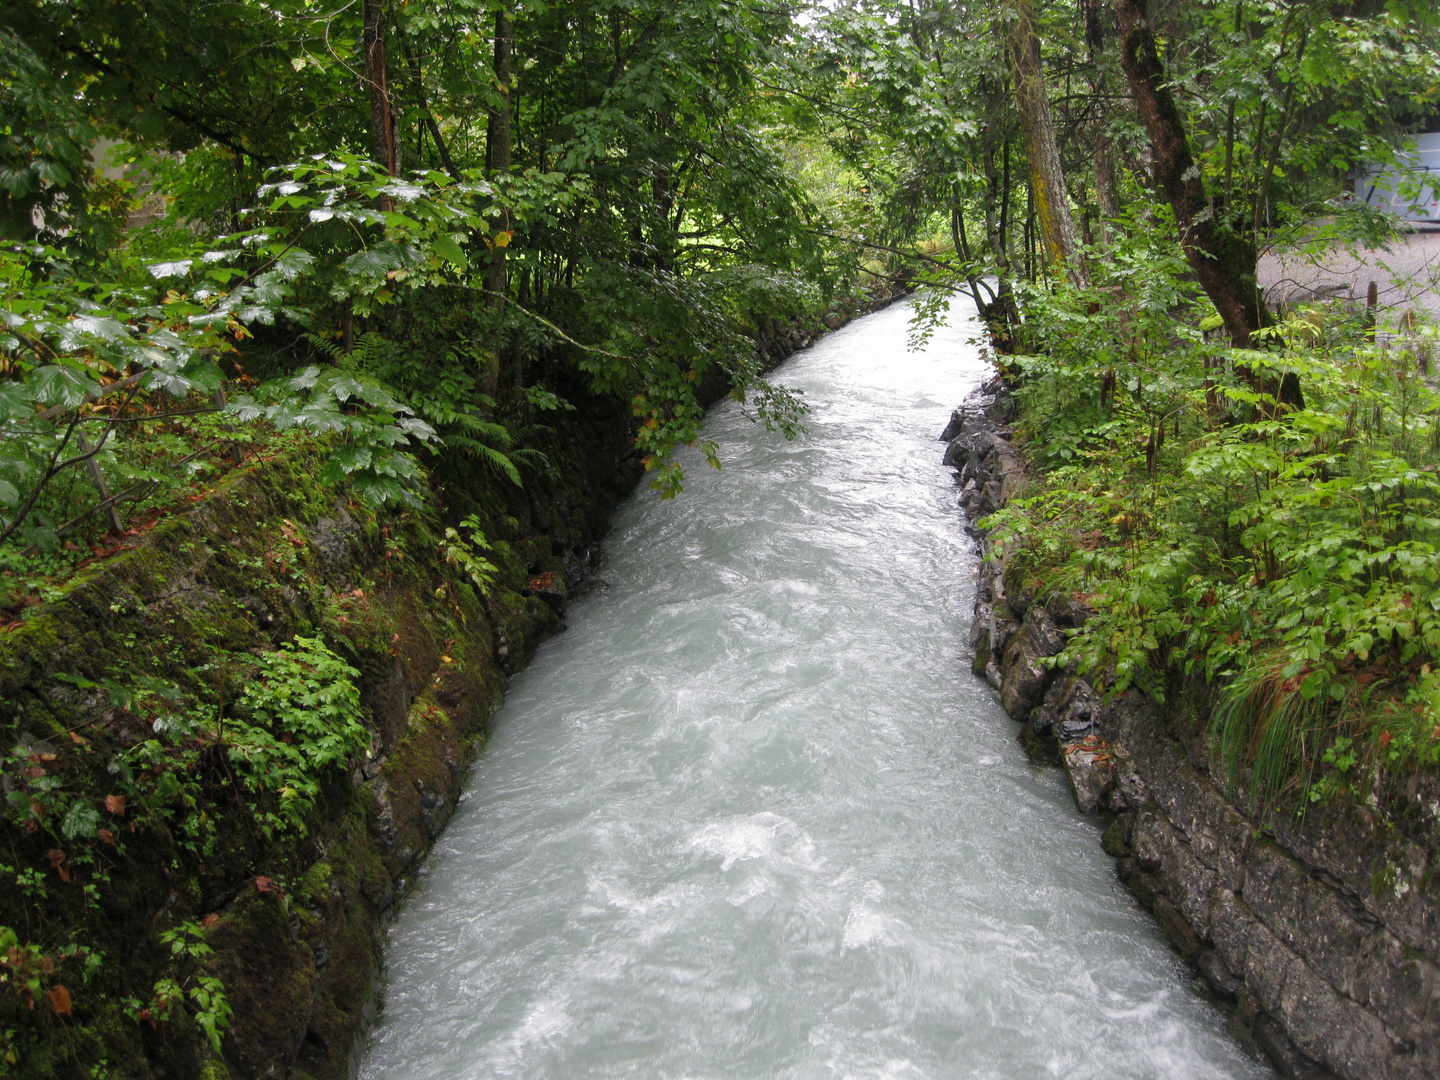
column 1025, row 674
column 1321, row 932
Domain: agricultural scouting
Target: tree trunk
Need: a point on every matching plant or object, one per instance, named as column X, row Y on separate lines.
column 1223, row 261
column 1055, row 223
column 383, row 146
column 417, row 82
column 1001, row 316
column 1224, row 264
column 1102, row 155
column 1107, row 201
column 497, row 155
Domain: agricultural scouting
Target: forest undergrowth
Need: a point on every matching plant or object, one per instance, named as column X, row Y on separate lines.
column 1286, row 555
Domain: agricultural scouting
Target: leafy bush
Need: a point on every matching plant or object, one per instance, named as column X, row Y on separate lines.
column 303, row 720
column 1288, row 556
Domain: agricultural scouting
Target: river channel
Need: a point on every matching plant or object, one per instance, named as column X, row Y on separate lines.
column 752, row 817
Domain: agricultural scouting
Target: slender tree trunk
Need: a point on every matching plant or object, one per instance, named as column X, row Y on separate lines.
column 497, row 154
column 383, row 145
column 1231, row 287
column 1107, row 199
column 417, row 82
column 961, row 243
column 1102, row 155
column 1001, row 315
column 1223, row 261
column 1054, row 221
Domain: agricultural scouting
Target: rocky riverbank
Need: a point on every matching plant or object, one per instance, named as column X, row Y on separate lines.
column 157, row 882
column 1320, row 931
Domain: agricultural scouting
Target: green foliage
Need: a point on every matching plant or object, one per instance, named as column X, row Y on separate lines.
column 301, row 720
column 468, row 554
column 203, row 994
column 1289, row 556
column 445, row 394
column 45, row 171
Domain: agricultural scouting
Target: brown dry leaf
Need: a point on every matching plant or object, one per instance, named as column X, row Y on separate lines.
column 267, row 885
column 115, row 804
column 210, row 920
column 59, row 999
column 107, row 836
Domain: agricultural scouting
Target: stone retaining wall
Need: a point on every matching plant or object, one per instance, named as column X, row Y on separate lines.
column 1322, row 933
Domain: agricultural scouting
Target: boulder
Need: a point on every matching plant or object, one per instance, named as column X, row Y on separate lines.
column 1026, row 678
column 957, row 421
column 1091, row 769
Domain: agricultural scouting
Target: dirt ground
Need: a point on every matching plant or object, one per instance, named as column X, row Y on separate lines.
column 1407, row 276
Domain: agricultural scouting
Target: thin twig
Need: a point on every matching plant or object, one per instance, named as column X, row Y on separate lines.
column 883, row 247
column 24, row 511
column 129, row 492
column 53, row 469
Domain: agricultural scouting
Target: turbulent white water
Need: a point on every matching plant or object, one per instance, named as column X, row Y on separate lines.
column 752, row 817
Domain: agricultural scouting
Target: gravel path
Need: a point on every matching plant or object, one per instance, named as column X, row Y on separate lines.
column 1406, row 274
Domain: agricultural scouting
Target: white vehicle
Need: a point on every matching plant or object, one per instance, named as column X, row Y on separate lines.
column 1412, row 195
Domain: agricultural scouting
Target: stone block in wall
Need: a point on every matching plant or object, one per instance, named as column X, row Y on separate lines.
column 1403, row 989
column 980, row 627
column 1392, row 877
column 1323, row 1024
column 1404, row 883
column 1132, row 789
column 1304, row 913
column 1151, row 837
column 1230, row 920
column 1235, row 835
column 1342, row 944
column 1026, row 677
column 1003, row 627
column 1011, row 473
column 1332, row 1029
column 988, row 501
column 1217, row 974
column 1178, row 929
column 974, row 443
column 1189, row 883
column 1090, row 768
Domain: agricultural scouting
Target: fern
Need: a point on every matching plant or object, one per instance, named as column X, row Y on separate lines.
column 365, row 354
column 446, row 395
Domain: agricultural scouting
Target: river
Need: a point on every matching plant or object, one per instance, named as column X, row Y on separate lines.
column 752, row 817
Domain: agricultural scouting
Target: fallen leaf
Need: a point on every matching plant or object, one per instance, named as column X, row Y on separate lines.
column 107, row 836
column 267, row 885
column 59, row 999
column 115, row 804
column 210, row 920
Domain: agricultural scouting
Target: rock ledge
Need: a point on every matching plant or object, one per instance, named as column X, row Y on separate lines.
column 1321, row 934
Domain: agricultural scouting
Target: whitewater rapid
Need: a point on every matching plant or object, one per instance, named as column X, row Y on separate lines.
column 751, row 816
